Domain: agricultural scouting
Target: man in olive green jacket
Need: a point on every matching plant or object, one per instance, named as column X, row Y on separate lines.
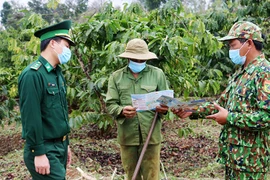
column 133, row 127
column 43, row 106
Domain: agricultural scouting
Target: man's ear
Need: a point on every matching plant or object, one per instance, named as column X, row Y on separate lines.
column 52, row 43
column 250, row 42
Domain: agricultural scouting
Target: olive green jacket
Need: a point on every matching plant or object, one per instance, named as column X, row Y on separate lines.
column 43, row 105
column 122, row 84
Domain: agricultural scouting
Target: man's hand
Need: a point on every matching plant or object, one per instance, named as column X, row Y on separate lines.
column 221, row 116
column 162, row 109
column 129, row 111
column 42, row 164
column 182, row 113
column 69, row 156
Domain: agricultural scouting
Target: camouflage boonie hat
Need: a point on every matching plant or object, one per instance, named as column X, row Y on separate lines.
column 245, row 30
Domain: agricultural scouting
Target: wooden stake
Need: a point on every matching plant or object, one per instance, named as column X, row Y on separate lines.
column 144, row 147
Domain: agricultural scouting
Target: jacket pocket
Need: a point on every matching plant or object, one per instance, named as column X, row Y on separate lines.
column 248, row 151
column 245, row 99
column 242, row 138
column 148, row 88
column 243, row 92
column 52, row 99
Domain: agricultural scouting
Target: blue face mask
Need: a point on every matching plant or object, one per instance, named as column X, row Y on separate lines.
column 65, row 56
column 236, row 57
column 136, row 67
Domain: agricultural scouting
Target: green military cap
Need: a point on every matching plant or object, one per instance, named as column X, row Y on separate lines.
column 60, row 30
column 245, row 30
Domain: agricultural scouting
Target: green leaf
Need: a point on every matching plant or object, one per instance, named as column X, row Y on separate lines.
column 188, row 40
column 53, row 4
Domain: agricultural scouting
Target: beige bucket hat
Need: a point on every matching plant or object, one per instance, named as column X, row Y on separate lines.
column 138, row 49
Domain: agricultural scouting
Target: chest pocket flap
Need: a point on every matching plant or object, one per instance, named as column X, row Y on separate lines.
column 244, row 92
column 149, row 88
column 53, row 99
column 53, row 91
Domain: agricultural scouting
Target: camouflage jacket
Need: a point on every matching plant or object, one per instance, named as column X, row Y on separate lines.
column 244, row 139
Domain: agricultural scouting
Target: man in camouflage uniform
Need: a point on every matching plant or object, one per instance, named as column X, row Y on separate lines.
column 243, row 108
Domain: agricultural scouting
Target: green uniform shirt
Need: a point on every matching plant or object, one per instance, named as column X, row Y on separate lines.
column 120, row 87
column 43, row 105
column 244, row 139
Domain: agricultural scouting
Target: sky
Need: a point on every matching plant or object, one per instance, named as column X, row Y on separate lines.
column 24, row 2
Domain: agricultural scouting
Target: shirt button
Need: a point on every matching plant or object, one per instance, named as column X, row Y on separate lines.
column 33, row 150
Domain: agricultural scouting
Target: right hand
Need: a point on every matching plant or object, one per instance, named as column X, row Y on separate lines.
column 129, row 111
column 42, row 164
column 182, row 113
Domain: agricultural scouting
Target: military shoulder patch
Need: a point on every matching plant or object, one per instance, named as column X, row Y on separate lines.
column 36, row 65
column 48, row 67
column 266, row 86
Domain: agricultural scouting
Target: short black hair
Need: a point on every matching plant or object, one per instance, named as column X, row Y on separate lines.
column 44, row 43
column 258, row 45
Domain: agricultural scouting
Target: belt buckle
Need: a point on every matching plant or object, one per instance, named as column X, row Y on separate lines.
column 64, row 138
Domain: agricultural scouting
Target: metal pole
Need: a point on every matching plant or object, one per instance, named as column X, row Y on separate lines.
column 144, row 147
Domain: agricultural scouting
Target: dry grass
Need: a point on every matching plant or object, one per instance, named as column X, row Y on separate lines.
column 176, row 163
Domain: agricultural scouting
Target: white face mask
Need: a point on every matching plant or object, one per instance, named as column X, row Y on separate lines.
column 136, row 67
column 236, row 57
column 65, row 56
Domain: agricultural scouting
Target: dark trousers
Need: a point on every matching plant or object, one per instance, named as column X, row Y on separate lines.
column 56, row 153
column 150, row 165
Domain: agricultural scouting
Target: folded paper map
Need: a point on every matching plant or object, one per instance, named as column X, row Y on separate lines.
column 174, row 103
column 144, row 102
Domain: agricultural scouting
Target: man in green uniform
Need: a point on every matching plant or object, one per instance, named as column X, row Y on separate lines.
column 133, row 127
column 244, row 107
column 43, row 106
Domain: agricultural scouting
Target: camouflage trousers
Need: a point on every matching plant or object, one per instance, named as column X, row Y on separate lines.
column 232, row 174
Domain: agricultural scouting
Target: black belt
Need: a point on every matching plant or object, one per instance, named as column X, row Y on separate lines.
column 56, row 139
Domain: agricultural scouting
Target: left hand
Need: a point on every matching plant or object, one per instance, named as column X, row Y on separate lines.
column 69, row 156
column 221, row 116
column 162, row 109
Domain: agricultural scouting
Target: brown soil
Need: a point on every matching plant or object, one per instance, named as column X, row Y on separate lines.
column 98, row 153
column 177, row 154
column 9, row 143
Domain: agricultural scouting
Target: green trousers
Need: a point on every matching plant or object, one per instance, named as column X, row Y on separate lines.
column 150, row 165
column 56, row 152
column 232, row 174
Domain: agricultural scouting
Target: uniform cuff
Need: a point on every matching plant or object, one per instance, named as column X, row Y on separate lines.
column 230, row 118
column 38, row 150
column 119, row 111
column 194, row 115
column 120, row 119
column 67, row 140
